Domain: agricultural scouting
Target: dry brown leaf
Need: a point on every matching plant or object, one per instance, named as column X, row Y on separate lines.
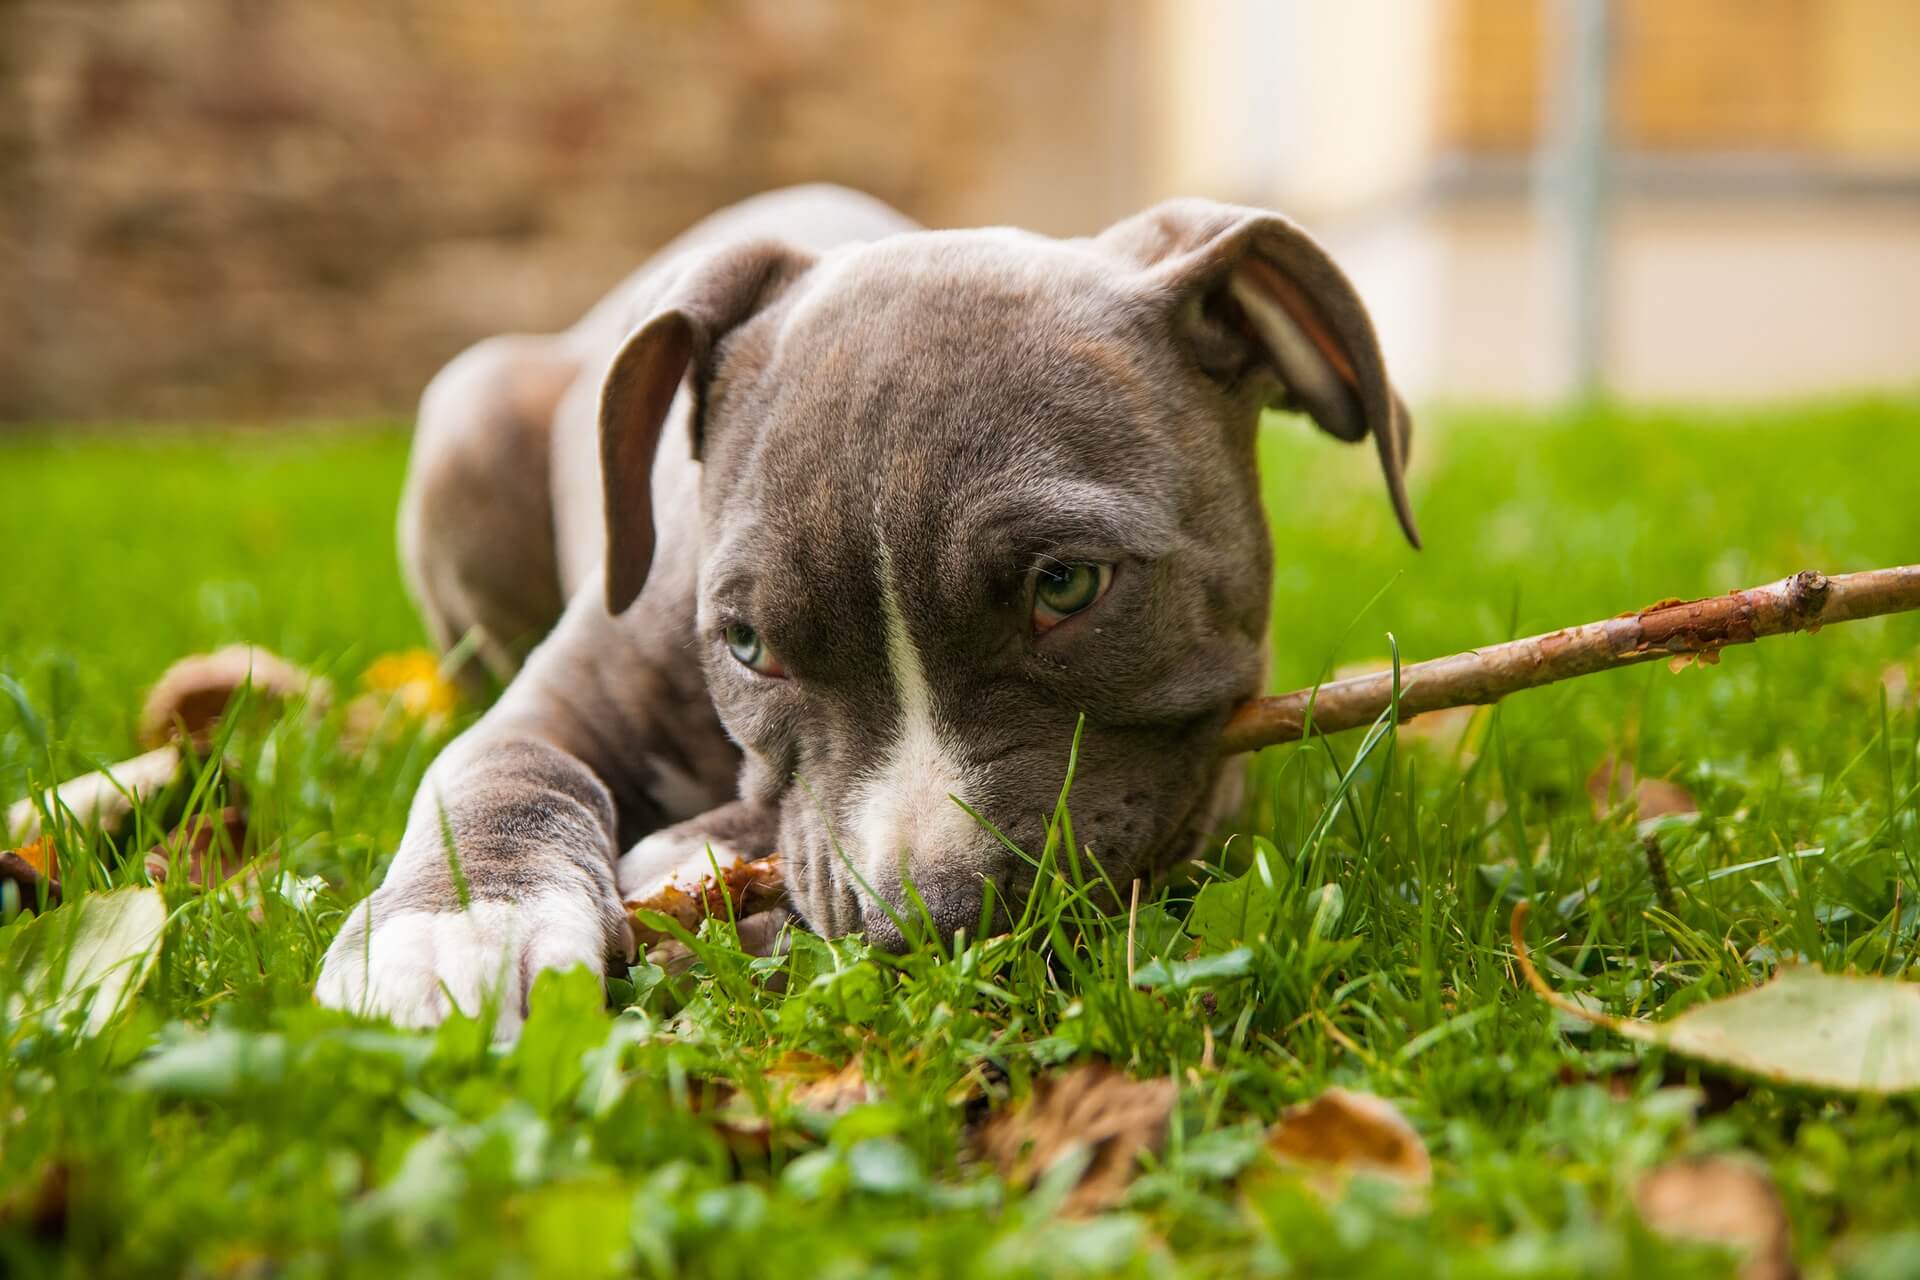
column 209, row 848
column 1342, row 1133
column 688, row 895
column 193, row 693
column 1613, row 784
column 1725, row 1201
column 1092, row 1106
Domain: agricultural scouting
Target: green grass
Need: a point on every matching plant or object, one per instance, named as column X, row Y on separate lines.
column 227, row 1127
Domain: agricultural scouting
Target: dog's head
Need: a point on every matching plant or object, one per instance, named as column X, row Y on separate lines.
column 962, row 489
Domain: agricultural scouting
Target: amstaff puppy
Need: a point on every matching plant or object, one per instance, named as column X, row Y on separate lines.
column 824, row 530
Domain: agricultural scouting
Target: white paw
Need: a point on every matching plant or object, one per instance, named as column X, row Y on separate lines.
column 415, row 966
column 671, row 856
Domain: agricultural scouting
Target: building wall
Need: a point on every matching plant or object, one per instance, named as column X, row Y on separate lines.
column 248, row 208
column 1838, row 79
column 256, row 209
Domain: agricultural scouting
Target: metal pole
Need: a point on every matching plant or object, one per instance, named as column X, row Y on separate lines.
column 1573, row 165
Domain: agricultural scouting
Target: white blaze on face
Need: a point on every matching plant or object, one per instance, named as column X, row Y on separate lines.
column 906, row 804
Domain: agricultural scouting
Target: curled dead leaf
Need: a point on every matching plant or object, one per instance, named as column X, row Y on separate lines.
column 1340, row 1134
column 689, row 894
column 1613, row 784
column 1725, row 1201
column 1092, row 1107
column 192, row 694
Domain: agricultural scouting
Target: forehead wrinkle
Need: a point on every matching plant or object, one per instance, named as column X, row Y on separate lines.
column 1045, row 513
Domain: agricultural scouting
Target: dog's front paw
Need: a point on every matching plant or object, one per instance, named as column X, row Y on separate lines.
column 414, row 965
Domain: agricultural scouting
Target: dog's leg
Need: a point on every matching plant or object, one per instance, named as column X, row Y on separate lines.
column 507, row 866
column 476, row 517
column 506, row 869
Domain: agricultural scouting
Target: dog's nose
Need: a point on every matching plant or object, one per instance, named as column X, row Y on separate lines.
column 951, row 900
column 883, row 933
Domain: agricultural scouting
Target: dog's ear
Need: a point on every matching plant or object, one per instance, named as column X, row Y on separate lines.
column 1256, row 297
column 709, row 296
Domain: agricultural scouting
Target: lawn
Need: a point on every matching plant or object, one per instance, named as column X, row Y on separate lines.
column 225, row 1126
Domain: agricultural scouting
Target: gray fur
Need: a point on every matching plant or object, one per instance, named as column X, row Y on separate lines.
column 860, row 438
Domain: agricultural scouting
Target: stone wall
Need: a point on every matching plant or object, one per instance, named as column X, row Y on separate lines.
column 261, row 209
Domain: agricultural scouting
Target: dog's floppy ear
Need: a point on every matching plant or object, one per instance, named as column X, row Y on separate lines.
column 1257, row 297
column 707, row 297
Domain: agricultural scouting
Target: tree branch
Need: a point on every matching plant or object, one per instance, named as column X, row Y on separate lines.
column 1673, row 628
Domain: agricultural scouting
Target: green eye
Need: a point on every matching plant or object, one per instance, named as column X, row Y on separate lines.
column 1062, row 590
column 749, row 650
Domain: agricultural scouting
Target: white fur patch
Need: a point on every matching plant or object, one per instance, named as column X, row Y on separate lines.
column 906, row 805
column 416, row 963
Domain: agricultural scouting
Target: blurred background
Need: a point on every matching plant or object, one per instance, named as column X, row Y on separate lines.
column 240, row 210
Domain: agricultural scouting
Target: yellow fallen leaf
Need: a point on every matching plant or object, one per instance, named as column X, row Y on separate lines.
column 400, row 689
column 412, row 680
column 37, row 854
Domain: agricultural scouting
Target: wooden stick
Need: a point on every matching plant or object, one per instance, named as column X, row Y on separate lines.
column 1673, row 628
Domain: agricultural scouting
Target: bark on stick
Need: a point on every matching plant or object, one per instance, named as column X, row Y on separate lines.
column 1673, row 628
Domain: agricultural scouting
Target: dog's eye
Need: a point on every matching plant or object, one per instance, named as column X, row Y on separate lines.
column 750, row 651
column 1062, row 590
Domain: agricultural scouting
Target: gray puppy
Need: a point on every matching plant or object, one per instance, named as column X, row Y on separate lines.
column 828, row 530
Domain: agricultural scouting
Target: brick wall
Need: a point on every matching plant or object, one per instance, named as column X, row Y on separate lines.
column 244, row 208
